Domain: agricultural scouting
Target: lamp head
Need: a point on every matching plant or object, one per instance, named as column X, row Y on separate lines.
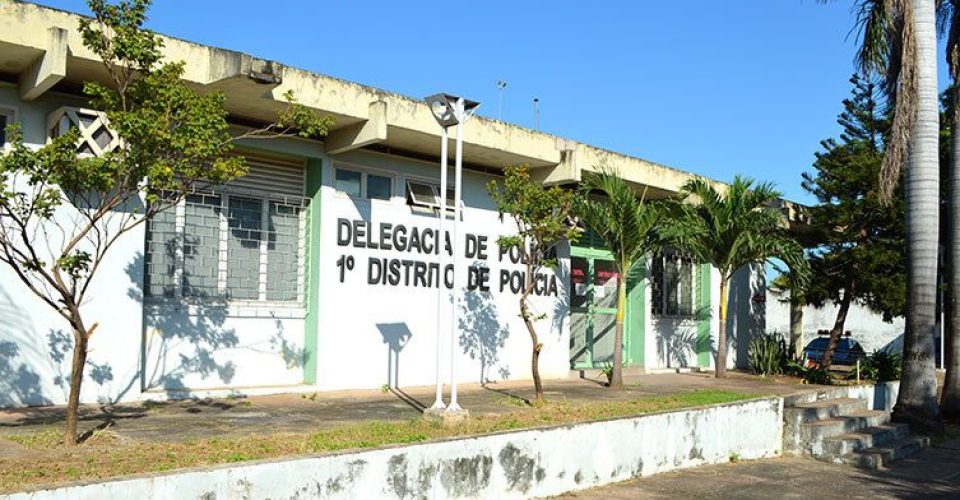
column 449, row 109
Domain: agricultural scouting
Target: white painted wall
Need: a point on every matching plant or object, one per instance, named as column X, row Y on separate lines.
column 372, row 335
column 36, row 343
column 866, row 326
column 671, row 342
column 521, row 464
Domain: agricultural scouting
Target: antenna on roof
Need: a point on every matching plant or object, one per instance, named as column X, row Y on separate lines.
column 501, row 84
column 536, row 113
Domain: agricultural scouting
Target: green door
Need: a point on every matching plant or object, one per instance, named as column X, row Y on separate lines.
column 593, row 309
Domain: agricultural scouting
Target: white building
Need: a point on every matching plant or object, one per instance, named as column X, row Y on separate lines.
column 319, row 270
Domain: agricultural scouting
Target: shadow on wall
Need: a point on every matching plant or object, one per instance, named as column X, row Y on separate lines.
column 676, row 342
column 20, row 357
column 181, row 340
column 483, row 334
column 746, row 311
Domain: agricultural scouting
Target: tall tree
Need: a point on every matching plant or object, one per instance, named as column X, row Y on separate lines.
column 731, row 230
column 949, row 23
column 627, row 225
column 899, row 42
column 858, row 252
column 61, row 211
column 544, row 218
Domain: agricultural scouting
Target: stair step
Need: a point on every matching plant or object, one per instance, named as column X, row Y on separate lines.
column 851, row 442
column 817, row 431
column 823, row 409
column 879, row 457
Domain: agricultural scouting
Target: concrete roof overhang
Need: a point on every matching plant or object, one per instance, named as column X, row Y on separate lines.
column 41, row 47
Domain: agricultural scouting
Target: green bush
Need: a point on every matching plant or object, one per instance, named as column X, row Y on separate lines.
column 767, row 353
column 797, row 367
column 881, row 366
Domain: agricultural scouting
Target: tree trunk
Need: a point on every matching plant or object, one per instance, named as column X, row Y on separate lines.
column 917, row 401
column 537, row 345
column 796, row 325
column 76, row 379
column 721, row 368
column 837, row 332
column 616, row 380
column 950, row 400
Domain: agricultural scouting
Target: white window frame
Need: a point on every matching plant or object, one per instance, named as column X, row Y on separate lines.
column 364, row 173
column 12, row 115
column 433, row 183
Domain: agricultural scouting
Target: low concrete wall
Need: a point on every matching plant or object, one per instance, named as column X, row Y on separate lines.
column 520, row 464
column 880, row 396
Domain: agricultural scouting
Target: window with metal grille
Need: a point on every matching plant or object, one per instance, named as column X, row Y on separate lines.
column 237, row 243
column 673, row 291
column 7, row 117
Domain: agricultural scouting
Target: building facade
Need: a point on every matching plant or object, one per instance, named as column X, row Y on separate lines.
column 320, row 270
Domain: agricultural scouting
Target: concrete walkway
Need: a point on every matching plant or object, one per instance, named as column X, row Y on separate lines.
column 181, row 420
column 935, row 473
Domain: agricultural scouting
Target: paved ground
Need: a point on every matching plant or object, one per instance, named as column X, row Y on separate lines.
column 935, row 473
column 298, row 413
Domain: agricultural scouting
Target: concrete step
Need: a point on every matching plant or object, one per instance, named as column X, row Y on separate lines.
column 852, row 442
column 879, row 457
column 819, row 410
column 815, row 432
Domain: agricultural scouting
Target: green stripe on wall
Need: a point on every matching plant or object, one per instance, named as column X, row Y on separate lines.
column 312, row 322
column 636, row 315
column 704, row 313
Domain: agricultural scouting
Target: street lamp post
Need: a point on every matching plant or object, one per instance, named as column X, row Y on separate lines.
column 450, row 110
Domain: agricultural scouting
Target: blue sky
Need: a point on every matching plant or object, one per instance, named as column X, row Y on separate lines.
column 716, row 88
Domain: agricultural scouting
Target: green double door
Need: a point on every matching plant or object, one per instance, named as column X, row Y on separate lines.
column 593, row 311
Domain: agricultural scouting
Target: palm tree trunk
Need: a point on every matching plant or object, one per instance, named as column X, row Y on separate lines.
column 796, row 325
column 950, row 400
column 721, row 368
column 917, row 401
column 838, row 324
column 616, row 379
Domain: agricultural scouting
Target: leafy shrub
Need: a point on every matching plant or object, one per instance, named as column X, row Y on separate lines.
column 797, row 367
column 882, row 366
column 767, row 353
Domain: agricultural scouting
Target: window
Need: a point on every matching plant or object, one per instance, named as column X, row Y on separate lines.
column 229, row 245
column 361, row 184
column 427, row 194
column 673, row 279
column 7, row 117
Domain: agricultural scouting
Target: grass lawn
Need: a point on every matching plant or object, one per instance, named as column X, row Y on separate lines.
column 106, row 455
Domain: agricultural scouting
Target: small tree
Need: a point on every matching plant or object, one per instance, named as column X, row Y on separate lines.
column 544, row 218
column 859, row 253
column 627, row 227
column 731, row 230
column 61, row 212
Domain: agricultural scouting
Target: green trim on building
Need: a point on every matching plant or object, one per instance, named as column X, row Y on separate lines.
column 312, row 322
column 636, row 316
column 704, row 315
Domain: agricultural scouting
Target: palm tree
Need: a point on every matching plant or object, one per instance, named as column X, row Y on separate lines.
column 948, row 16
column 731, row 230
column 627, row 227
column 899, row 42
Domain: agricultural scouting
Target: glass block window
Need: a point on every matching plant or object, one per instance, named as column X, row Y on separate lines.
column 234, row 244
column 673, row 278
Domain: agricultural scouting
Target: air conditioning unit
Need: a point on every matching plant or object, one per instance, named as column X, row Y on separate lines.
column 96, row 137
